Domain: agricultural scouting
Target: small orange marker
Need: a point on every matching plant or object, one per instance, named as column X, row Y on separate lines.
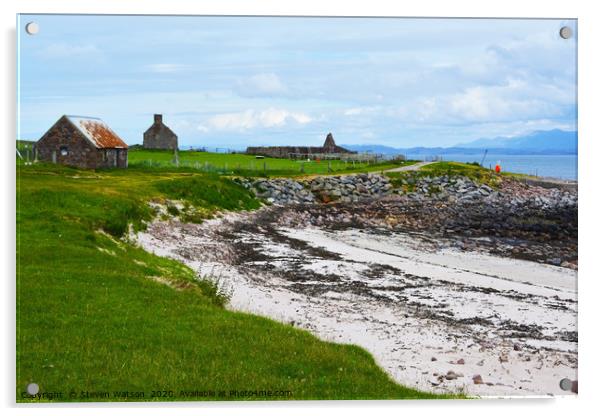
column 498, row 168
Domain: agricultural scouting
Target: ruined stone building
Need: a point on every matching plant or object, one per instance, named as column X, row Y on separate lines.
column 159, row 136
column 329, row 148
column 83, row 142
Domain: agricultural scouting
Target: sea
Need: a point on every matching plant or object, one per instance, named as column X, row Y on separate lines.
column 550, row 166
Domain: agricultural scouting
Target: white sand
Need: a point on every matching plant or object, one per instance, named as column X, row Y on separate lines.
column 407, row 315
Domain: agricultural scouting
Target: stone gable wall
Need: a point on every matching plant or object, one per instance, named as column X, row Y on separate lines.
column 159, row 136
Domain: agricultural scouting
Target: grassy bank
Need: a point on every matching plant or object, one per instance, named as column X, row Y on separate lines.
column 99, row 319
column 475, row 172
column 248, row 165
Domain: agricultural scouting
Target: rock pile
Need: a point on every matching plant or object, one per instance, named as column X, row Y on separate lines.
column 454, row 189
column 280, row 191
column 349, row 188
column 509, row 191
column 537, row 196
column 443, row 187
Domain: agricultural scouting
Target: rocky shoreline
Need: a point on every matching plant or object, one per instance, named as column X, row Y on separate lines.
column 515, row 220
column 368, row 186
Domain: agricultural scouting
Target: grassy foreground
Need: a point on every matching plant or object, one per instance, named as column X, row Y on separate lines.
column 99, row 319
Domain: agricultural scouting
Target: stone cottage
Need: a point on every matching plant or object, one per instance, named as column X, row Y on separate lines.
column 159, row 136
column 83, row 142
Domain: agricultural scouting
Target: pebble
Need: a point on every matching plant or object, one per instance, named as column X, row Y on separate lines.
column 451, row 375
column 477, row 379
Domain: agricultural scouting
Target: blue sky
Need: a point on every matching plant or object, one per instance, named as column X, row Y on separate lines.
column 234, row 82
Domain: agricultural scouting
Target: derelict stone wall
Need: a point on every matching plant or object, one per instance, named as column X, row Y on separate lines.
column 287, row 151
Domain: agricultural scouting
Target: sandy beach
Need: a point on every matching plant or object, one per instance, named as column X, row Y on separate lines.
column 435, row 316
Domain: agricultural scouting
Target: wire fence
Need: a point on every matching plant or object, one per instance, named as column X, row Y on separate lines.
column 260, row 166
column 226, row 150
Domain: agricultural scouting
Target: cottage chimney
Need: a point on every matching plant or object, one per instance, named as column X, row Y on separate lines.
column 158, row 118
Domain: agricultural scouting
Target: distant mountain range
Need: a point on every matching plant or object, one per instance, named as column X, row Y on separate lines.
column 548, row 142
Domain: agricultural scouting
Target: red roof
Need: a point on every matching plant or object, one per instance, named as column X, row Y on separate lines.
column 97, row 132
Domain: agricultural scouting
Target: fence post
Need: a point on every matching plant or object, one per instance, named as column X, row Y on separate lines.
column 265, row 167
column 176, row 159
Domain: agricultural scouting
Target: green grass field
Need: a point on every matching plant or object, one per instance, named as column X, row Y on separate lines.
column 99, row 319
column 248, row 165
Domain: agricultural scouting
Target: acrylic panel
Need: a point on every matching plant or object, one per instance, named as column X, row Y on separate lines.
column 295, row 208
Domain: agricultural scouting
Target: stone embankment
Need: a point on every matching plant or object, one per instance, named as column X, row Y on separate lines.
column 361, row 187
column 349, row 188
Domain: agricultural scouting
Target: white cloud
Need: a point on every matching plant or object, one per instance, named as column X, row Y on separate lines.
column 363, row 111
column 261, row 85
column 166, row 68
column 478, row 103
column 65, row 50
column 507, row 102
column 512, row 101
column 250, row 119
column 353, row 111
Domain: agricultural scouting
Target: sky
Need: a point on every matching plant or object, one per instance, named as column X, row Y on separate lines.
column 233, row 82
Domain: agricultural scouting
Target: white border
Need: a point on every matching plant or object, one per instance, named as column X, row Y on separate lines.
column 590, row 139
